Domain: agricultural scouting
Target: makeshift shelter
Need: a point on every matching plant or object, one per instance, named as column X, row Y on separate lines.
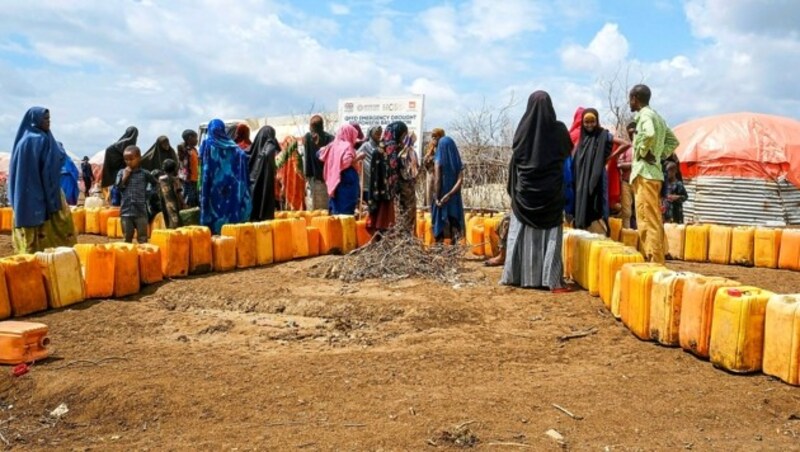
column 741, row 169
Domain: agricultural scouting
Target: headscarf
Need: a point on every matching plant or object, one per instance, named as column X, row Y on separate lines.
column 409, row 163
column 450, row 166
column 589, row 168
column 242, row 136
column 262, row 174
column 338, row 156
column 361, row 137
column 34, row 172
column 224, row 192
column 535, row 177
column 290, row 173
column 113, row 161
column 577, row 124
column 313, row 141
column 155, row 157
column 392, row 144
column 69, row 178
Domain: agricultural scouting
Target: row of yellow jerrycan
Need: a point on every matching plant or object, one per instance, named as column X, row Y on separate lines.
column 743, row 245
column 481, row 232
column 64, row 276
column 739, row 328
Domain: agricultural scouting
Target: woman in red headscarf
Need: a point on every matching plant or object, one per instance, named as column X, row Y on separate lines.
column 242, row 137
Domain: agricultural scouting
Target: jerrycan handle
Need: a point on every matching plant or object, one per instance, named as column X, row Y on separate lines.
column 734, row 293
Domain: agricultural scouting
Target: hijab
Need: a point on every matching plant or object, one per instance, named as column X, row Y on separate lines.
column 242, row 137
column 449, row 161
column 262, row 174
column 577, row 125
column 589, row 169
column 155, row 157
column 264, row 146
column 113, row 161
column 535, row 180
column 34, row 173
column 338, row 156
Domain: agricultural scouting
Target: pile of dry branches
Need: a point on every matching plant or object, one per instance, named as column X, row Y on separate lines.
column 397, row 255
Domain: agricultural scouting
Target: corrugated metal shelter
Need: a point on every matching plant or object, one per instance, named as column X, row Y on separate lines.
column 741, row 169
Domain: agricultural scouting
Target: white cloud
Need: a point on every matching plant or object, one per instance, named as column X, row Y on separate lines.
column 337, row 9
column 492, row 20
column 607, row 49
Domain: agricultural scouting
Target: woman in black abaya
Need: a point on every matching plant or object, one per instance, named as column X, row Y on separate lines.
column 263, row 151
column 536, row 186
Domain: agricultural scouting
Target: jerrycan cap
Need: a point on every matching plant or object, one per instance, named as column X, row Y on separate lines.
column 735, row 292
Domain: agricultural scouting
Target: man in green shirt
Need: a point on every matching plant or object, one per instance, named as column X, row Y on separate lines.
column 654, row 141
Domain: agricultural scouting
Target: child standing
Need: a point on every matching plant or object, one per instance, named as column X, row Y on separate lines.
column 189, row 168
column 676, row 196
column 171, row 192
column 132, row 183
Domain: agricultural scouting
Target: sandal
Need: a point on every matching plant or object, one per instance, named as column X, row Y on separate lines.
column 561, row 290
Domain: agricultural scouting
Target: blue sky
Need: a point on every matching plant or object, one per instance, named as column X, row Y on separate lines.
column 169, row 65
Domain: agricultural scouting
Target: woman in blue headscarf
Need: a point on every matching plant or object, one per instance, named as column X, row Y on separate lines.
column 447, row 211
column 225, row 192
column 41, row 216
column 69, row 179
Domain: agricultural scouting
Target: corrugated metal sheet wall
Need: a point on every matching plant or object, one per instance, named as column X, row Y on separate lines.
column 737, row 201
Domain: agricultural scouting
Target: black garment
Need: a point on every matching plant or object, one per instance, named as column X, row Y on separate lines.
column 314, row 168
column 154, row 158
column 261, row 165
column 536, row 171
column 113, row 161
column 379, row 181
column 593, row 149
column 673, row 210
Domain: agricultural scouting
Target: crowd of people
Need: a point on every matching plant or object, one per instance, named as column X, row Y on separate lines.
column 232, row 179
column 581, row 176
column 578, row 176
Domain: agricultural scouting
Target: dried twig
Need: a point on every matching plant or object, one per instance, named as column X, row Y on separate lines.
column 577, row 335
column 397, row 255
column 567, row 412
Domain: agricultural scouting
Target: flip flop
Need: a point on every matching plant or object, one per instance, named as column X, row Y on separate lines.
column 561, row 290
column 490, row 264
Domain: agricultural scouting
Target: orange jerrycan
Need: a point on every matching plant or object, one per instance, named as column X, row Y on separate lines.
column 224, row 253
column 330, row 229
column 245, row 236
column 666, row 301
column 264, row 243
column 93, row 220
column 363, row 237
column 174, row 246
column 114, row 228
column 630, row 237
column 635, row 309
column 150, row 264
column 25, row 282
column 79, row 220
column 611, row 261
column 742, row 245
column 5, row 303
column 696, row 246
column 6, row 219
column 719, row 244
column 23, row 342
column 199, row 249
column 782, row 338
column 105, row 214
column 767, row 247
column 676, row 238
column 789, row 257
column 697, row 312
column 595, row 269
column 475, row 235
column 97, row 263
column 569, row 249
column 349, row 239
column 615, row 228
column 62, row 274
column 737, row 329
column 299, row 238
column 282, row 245
column 313, row 236
column 580, row 260
column 126, row 270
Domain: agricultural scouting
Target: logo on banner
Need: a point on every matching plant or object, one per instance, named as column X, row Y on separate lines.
column 348, row 107
column 412, row 105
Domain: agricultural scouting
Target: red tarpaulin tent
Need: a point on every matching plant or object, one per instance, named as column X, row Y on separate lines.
column 746, row 145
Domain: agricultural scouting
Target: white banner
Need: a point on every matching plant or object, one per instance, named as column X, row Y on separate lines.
column 382, row 111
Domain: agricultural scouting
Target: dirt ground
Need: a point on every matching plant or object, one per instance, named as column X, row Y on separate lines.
column 277, row 358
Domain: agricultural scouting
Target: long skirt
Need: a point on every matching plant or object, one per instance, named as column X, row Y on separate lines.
column 533, row 256
column 382, row 219
column 345, row 199
column 58, row 230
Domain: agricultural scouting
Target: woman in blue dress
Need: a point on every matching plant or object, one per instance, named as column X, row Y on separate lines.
column 447, row 211
column 224, row 192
